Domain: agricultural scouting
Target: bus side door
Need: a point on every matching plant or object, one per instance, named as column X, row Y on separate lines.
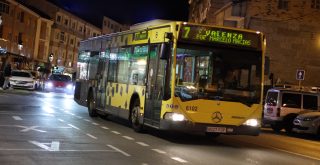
column 102, row 73
column 155, row 83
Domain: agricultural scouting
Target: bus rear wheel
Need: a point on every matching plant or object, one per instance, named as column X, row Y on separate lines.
column 91, row 106
column 135, row 117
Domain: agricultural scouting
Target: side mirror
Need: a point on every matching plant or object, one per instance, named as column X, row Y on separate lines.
column 165, row 51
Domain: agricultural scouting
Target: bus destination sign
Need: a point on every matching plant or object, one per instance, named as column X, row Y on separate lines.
column 220, row 36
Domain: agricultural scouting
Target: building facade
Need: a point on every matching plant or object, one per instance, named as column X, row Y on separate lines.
column 292, row 30
column 66, row 33
column 24, row 33
column 111, row 26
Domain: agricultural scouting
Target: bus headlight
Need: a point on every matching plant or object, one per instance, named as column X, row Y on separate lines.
column 251, row 122
column 174, row 116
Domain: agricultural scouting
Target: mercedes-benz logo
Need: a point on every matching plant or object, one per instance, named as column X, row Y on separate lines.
column 216, row 117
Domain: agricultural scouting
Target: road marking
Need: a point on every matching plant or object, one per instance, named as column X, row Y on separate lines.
column 159, row 151
column 16, row 118
column 128, row 137
column 117, row 149
column 54, row 145
column 282, row 150
column 61, row 120
column 93, row 137
column 74, row 126
column 143, row 144
column 42, row 150
column 79, row 117
column 104, row 127
column 179, row 160
column 26, row 129
column 87, row 120
column 115, row 132
column 95, row 123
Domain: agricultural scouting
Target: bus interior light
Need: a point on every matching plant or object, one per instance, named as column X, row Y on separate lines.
column 252, row 122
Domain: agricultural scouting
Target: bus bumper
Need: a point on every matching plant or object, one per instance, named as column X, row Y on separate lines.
column 189, row 127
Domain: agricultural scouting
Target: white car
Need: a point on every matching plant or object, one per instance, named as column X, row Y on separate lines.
column 22, row 79
column 307, row 123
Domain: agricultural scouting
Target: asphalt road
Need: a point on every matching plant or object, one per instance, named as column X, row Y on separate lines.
column 46, row 128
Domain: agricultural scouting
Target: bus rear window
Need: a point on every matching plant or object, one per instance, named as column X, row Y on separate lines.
column 272, row 98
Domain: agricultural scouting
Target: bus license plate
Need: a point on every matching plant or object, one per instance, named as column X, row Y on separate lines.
column 217, row 129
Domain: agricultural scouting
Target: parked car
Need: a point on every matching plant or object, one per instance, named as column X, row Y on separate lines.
column 283, row 105
column 308, row 123
column 59, row 83
column 22, row 79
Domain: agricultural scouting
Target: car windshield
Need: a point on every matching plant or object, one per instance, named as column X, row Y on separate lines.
column 63, row 78
column 21, row 74
column 219, row 74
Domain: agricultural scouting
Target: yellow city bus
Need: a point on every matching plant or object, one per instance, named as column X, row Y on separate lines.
column 175, row 76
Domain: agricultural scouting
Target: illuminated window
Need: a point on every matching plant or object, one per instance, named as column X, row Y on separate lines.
column 283, row 4
column 315, row 4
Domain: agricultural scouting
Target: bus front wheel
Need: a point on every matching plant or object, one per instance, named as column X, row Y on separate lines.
column 135, row 116
column 91, row 106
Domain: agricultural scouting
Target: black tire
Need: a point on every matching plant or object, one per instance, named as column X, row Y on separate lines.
column 91, row 106
column 288, row 123
column 135, row 116
column 276, row 127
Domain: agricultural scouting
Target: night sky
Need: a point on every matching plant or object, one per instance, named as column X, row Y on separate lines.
column 126, row 11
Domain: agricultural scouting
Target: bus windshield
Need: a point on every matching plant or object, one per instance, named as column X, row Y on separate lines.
column 218, row 74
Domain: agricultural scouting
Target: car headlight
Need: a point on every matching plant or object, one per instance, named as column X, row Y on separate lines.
column 252, row 122
column 310, row 118
column 69, row 86
column 174, row 116
column 49, row 84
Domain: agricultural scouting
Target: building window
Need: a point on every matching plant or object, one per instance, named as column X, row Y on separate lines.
column 22, row 16
column 66, row 22
column 283, row 4
column 73, row 25
column 80, row 28
column 57, row 36
column 71, row 41
column 62, row 36
column 59, row 18
column 315, row 4
column 20, row 39
column 4, row 7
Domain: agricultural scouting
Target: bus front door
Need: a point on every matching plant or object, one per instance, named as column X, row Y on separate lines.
column 155, row 84
column 102, row 82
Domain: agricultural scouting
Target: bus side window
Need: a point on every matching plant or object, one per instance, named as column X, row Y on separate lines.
column 134, row 79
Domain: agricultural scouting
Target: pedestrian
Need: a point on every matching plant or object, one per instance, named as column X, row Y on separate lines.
column 7, row 75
